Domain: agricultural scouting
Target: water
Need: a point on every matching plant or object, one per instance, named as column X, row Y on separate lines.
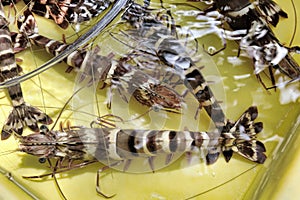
column 235, row 86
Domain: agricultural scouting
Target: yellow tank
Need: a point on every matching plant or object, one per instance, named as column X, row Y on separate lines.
column 234, row 85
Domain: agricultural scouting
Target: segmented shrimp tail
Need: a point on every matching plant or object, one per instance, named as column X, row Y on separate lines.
column 22, row 116
column 240, row 137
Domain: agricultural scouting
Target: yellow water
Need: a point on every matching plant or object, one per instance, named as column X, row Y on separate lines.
column 177, row 181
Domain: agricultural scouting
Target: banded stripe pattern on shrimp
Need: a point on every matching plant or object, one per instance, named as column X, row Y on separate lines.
column 70, row 11
column 259, row 41
column 156, row 94
column 119, row 73
column 128, row 185
column 94, row 31
column 116, row 145
column 154, row 38
column 136, row 180
column 251, row 110
column 246, row 94
column 22, row 115
column 42, row 96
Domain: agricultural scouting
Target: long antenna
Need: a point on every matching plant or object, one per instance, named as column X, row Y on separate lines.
column 64, row 107
column 222, row 184
column 93, row 32
column 296, row 22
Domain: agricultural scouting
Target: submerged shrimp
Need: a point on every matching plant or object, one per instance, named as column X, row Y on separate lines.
column 23, row 114
column 113, row 146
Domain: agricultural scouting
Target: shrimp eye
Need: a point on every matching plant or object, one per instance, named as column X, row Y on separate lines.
column 21, row 18
column 44, row 129
column 42, row 160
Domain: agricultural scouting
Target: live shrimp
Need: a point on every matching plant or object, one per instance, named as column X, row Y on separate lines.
column 125, row 145
column 23, row 114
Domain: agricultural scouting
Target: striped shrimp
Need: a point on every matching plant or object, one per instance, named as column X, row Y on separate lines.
column 146, row 89
column 22, row 114
column 117, row 8
column 259, row 43
column 154, row 38
column 178, row 190
column 64, row 12
column 113, row 146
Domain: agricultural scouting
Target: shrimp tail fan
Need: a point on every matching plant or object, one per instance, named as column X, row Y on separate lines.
column 21, row 116
column 240, row 137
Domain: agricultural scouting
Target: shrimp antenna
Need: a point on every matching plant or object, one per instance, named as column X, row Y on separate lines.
column 222, row 184
column 64, row 107
column 91, row 33
column 55, row 179
column 295, row 21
